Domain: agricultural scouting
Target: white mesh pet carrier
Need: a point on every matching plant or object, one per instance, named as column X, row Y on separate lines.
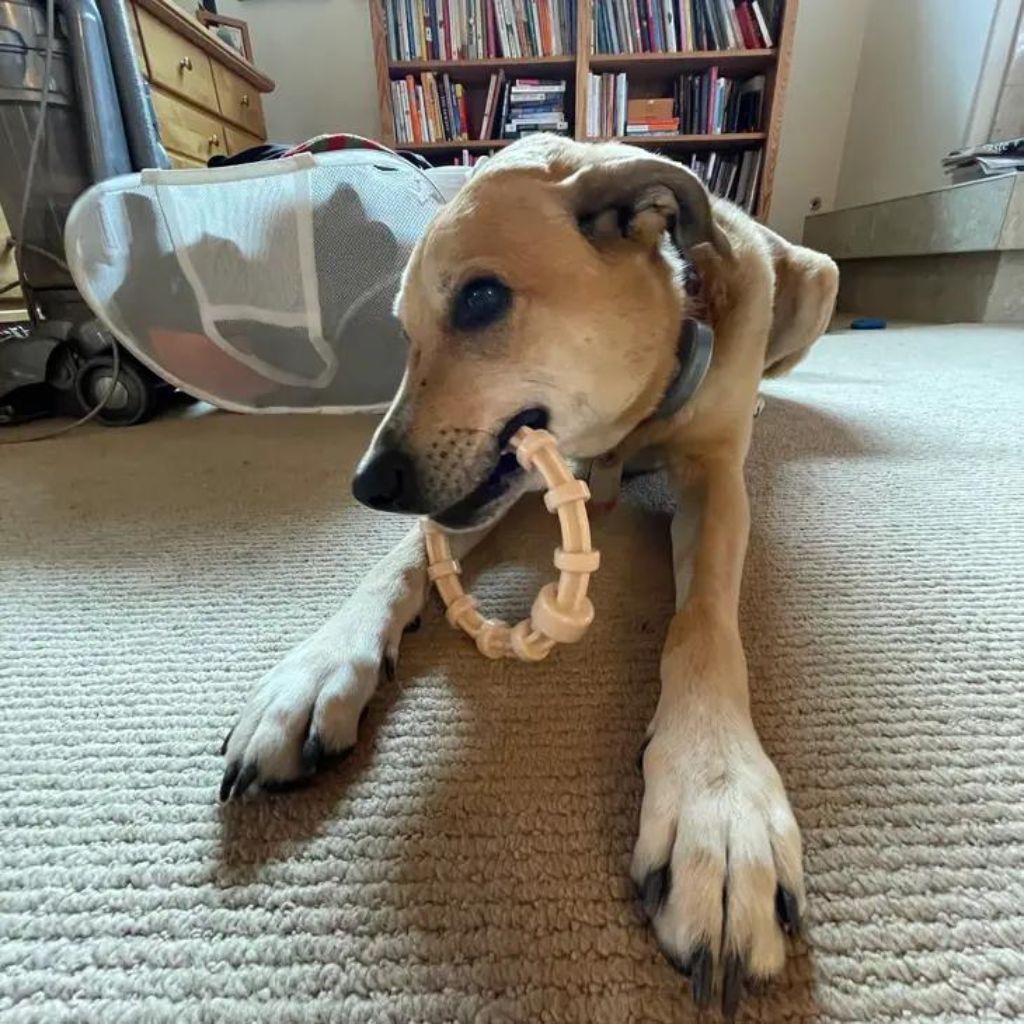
column 260, row 287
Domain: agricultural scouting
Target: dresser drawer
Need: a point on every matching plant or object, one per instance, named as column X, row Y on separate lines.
column 187, row 131
column 239, row 102
column 175, row 63
column 237, row 140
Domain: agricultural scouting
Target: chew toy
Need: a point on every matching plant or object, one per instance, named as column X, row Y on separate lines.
column 561, row 612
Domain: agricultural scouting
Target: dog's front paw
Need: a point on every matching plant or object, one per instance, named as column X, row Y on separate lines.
column 307, row 709
column 717, row 862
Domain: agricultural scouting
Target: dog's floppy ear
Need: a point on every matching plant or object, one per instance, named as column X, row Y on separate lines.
column 639, row 198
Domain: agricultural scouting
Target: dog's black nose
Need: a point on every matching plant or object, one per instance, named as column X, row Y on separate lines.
column 386, row 480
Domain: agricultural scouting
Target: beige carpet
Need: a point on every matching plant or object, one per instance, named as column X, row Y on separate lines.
column 469, row 863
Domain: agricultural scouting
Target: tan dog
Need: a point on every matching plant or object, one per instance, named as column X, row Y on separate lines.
column 551, row 292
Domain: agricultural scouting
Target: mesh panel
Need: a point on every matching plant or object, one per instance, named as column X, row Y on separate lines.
column 259, row 287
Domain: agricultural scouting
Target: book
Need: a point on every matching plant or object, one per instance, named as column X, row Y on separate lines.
column 762, row 24
column 463, row 111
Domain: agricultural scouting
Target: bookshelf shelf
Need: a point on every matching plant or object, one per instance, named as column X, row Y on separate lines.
column 462, row 68
column 730, row 61
column 473, row 145
column 730, row 140
column 653, row 74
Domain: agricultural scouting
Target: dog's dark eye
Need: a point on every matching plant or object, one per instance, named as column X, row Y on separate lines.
column 480, row 303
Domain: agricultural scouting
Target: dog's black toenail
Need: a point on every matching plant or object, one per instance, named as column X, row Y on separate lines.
column 245, row 780
column 413, row 626
column 732, row 986
column 227, row 740
column 230, row 774
column 312, row 753
column 702, row 977
column 654, row 888
column 640, row 755
column 388, row 665
column 787, row 910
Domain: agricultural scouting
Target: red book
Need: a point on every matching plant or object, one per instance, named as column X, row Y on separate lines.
column 547, row 39
column 652, row 31
column 492, row 29
column 448, row 30
column 747, row 27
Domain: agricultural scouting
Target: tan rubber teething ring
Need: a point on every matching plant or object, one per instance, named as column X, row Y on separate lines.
column 561, row 612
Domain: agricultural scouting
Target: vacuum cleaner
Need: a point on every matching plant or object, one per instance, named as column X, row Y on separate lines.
column 74, row 111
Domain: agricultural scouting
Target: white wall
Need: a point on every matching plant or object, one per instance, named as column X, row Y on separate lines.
column 320, row 55
column 914, row 95
column 826, row 57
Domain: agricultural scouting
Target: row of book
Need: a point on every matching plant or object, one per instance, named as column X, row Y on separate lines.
column 428, row 110
column 703, row 103
column 670, row 26
column 707, row 103
column 437, row 110
column 479, row 29
column 734, row 175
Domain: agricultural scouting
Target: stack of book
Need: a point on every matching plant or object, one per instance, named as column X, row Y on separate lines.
column 732, row 176
column 429, row 110
column 529, row 105
column 708, row 104
column 479, row 29
column 669, row 26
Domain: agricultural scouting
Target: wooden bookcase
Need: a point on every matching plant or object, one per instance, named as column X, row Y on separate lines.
column 650, row 71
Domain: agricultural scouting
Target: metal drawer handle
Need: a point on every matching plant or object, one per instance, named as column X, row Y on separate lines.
column 185, row 63
column 214, row 141
column 245, row 99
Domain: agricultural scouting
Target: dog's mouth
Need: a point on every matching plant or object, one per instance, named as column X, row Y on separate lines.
column 486, row 498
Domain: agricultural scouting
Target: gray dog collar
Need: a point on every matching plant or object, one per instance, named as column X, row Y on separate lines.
column 696, row 346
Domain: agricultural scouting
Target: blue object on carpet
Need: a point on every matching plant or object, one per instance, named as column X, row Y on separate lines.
column 869, row 323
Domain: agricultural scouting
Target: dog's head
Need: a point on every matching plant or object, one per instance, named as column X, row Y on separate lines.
column 547, row 293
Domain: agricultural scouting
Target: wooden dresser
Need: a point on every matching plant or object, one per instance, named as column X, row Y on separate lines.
column 208, row 98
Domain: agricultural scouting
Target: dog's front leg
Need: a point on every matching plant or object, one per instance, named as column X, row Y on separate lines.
column 308, row 707
column 717, row 861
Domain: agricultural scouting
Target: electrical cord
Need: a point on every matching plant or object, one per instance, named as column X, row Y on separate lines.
column 21, row 246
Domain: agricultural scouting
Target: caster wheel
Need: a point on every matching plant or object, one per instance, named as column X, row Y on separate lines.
column 132, row 395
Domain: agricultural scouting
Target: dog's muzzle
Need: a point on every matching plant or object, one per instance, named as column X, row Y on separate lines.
column 387, row 478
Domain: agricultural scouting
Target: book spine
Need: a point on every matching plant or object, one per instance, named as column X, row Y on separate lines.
column 488, row 103
column 533, row 24
column 397, row 123
column 430, row 36
column 462, row 105
column 435, row 95
column 746, row 20
column 444, row 102
column 671, row 34
column 435, row 131
column 737, row 28
column 470, row 10
column 511, row 31
column 654, row 27
column 419, row 113
column 414, row 116
column 762, row 25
